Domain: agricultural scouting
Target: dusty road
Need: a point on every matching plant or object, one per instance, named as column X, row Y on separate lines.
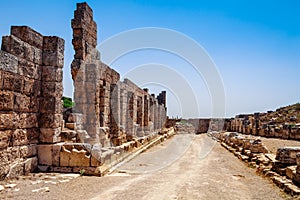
column 176, row 169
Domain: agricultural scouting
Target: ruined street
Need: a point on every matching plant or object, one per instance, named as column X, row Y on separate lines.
column 175, row 169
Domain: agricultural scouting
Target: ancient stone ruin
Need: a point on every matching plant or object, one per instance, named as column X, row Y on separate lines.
column 111, row 117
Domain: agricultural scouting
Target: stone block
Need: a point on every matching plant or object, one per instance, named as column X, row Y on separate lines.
column 95, row 162
column 30, row 165
column 23, row 151
column 34, row 104
column 19, row 137
column 13, row 46
column 51, row 120
column 9, row 154
column 75, row 118
column 79, row 158
column 8, row 81
column 52, row 89
column 33, row 135
column 5, row 138
column 32, row 150
column 51, row 105
column 45, row 154
column 71, row 126
column 52, row 74
column 21, row 103
column 8, row 120
column 64, row 155
column 28, row 35
column 6, row 100
column 28, row 120
column 8, row 62
column 28, row 86
column 56, row 155
column 29, row 69
column 21, row 49
column 50, row 135
column 291, row 172
column 287, row 155
column 53, row 58
column 53, row 51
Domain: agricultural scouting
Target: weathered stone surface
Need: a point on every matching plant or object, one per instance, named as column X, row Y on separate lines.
column 29, row 69
column 21, row 49
column 33, row 135
column 28, row 35
column 45, row 154
column 52, row 74
column 50, row 135
column 53, row 51
column 19, row 137
column 79, row 158
column 51, row 105
column 30, row 165
column 5, row 138
column 28, row 120
column 6, row 100
column 56, row 155
column 8, row 62
column 21, row 103
column 287, row 155
column 51, row 120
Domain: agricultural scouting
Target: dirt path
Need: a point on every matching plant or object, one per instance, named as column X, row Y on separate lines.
column 168, row 172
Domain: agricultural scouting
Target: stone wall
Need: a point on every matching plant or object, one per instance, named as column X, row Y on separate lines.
column 263, row 125
column 111, row 118
column 114, row 111
column 30, row 98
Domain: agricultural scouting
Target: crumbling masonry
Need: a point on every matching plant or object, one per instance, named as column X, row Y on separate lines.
column 110, row 118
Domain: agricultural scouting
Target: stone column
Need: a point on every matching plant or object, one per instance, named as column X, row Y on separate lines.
column 123, row 109
column 115, row 114
column 52, row 90
column 140, row 116
column 130, row 116
column 151, row 123
column 146, row 114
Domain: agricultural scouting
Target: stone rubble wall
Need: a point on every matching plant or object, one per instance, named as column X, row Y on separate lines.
column 30, row 98
column 283, row 168
column 262, row 125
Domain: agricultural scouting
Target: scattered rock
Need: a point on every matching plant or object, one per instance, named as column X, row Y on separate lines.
column 10, row 185
column 44, row 189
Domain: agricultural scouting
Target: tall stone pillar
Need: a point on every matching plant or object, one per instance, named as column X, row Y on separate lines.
column 156, row 123
column 51, row 90
column 85, row 71
column 130, row 115
column 151, row 116
column 146, row 114
column 140, row 116
column 123, row 109
column 115, row 113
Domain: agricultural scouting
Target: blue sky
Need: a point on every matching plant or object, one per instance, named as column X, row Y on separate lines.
column 254, row 44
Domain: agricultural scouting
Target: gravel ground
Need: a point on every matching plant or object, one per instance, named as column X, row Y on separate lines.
column 273, row 144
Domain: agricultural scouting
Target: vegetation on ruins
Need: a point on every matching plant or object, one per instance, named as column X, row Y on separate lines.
column 81, row 172
column 67, row 102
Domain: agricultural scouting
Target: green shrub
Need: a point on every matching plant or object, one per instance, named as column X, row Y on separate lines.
column 68, row 103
